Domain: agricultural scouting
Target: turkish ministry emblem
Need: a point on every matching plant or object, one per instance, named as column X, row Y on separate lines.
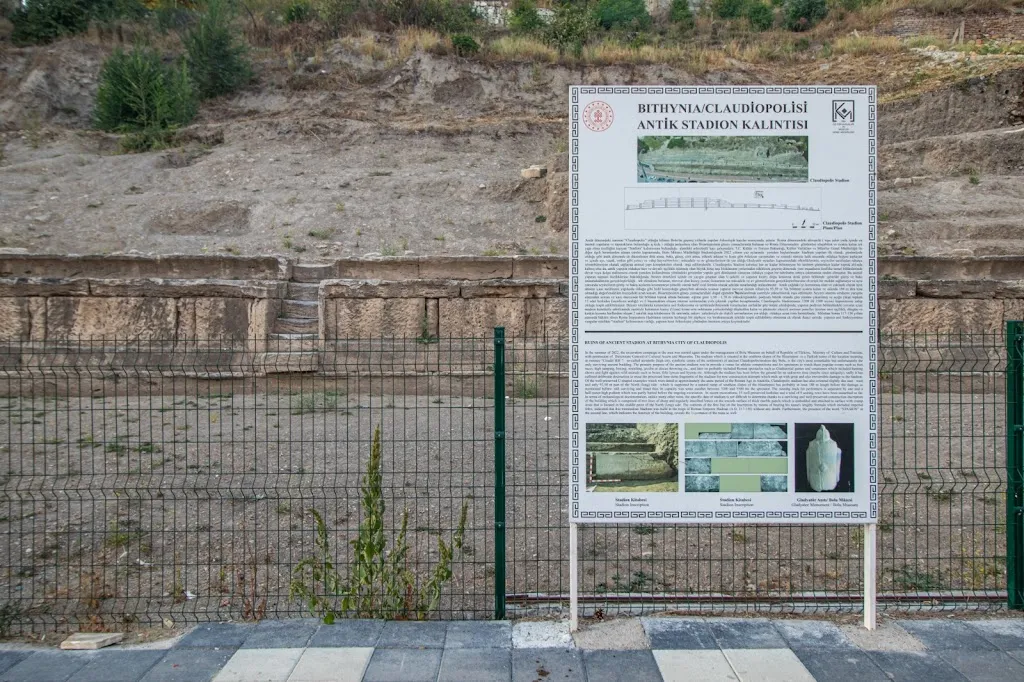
column 598, row 116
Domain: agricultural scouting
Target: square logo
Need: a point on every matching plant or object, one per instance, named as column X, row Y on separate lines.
column 842, row 111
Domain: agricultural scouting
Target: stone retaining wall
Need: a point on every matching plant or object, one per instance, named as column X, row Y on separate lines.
column 53, row 298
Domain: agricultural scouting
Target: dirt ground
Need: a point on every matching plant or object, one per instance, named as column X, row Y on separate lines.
column 125, row 510
column 338, row 153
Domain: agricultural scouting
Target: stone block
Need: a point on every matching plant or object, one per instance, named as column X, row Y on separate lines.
column 540, row 267
column 43, row 286
column 120, row 318
column 91, row 640
column 413, row 288
column 534, row 172
column 896, row 288
column 477, row 317
column 945, row 315
column 15, row 319
column 557, row 205
column 378, row 268
column 504, row 288
column 374, row 317
column 556, row 317
column 465, row 267
column 178, row 288
column 679, row 633
column 37, row 318
column 214, row 318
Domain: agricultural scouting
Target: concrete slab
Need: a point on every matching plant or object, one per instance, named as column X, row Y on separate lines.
column 620, row 666
column 341, row 664
column 887, row 636
column 356, row 632
column 619, row 634
column 812, row 634
column 943, row 635
column 545, row 634
column 9, row 659
column 403, row 665
column 840, row 666
column 538, row 665
column 767, row 665
column 479, row 634
column 686, row 665
column 259, row 665
column 281, row 634
column 188, row 665
column 119, row 666
column 51, row 666
column 746, row 633
column 1002, row 633
column 914, row 666
column 90, row 641
column 217, row 635
column 407, row 634
column 476, row 665
column 679, row 633
column 990, row 666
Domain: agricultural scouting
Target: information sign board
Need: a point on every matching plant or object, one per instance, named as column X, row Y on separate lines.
column 723, row 304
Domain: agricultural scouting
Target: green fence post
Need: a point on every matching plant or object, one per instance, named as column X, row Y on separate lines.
column 499, row 473
column 1014, row 465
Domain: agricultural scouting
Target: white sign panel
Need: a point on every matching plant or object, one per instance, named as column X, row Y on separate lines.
column 723, row 309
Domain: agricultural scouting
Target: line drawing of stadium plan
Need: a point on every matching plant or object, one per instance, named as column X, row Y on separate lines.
column 732, row 207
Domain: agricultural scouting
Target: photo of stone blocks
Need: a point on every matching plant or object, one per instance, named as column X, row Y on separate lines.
column 736, row 458
column 728, row 158
column 641, row 457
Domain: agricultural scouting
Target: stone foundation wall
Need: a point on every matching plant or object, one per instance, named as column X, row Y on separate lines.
column 45, row 298
column 976, row 26
column 62, row 309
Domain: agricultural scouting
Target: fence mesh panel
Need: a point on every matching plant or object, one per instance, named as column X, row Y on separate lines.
column 149, row 480
column 942, row 532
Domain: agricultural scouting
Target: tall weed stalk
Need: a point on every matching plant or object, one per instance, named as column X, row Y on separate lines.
column 379, row 582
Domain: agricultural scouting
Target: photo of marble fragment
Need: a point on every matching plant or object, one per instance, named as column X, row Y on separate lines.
column 639, row 457
column 824, row 458
column 723, row 158
column 736, row 458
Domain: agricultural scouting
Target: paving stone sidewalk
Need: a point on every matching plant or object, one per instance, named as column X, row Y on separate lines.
column 633, row 650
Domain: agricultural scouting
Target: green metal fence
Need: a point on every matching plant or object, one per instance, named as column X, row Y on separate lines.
column 943, row 530
column 148, row 480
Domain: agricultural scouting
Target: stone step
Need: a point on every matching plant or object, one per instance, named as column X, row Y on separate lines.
column 296, row 325
column 304, row 361
column 312, row 272
column 303, row 292
column 300, row 309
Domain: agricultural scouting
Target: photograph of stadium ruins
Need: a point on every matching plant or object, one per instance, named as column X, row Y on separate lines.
column 772, row 158
column 633, row 458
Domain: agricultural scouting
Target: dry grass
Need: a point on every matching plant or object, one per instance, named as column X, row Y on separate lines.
column 367, row 44
column 867, row 44
column 521, row 49
column 412, row 40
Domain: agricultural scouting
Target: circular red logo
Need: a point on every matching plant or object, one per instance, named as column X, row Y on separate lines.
column 598, row 116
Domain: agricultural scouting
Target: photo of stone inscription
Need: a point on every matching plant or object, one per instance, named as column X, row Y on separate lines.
column 736, row 458
column 824, row 458
column 722, row 159
column 637, row 458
